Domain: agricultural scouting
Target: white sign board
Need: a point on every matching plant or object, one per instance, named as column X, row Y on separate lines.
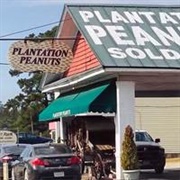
column 47, row 56
column 7, row 137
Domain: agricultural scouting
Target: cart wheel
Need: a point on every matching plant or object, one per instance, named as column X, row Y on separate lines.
column 97, row 168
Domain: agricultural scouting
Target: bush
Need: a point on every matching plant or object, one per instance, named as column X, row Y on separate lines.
column 129, row 158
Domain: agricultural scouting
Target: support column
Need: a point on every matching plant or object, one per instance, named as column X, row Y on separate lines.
column 57, row 131
column 125, row 91
column 57, row 123
column 62, row 130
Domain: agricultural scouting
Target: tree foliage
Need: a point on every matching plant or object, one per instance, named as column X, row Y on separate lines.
column 22, row 111
column 129, row 158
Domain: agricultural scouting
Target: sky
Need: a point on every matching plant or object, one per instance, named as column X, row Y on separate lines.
column 39, row 16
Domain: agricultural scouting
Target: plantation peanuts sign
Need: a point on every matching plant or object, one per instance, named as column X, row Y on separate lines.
column 47, row 56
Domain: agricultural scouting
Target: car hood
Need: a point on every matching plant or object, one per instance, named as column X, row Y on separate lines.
column 143, row 143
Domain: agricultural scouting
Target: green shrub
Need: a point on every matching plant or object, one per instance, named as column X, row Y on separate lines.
column 129, row 159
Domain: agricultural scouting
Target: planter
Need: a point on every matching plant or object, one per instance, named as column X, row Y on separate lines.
column 131, row 174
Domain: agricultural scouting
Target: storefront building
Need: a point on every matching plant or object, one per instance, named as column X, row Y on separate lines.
column 120, row 54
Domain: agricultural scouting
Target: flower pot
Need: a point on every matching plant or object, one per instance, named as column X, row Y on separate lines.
column 131, row 174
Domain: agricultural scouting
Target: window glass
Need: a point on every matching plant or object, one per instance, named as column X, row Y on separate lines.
column 13, row 149
column 143, row 136
column 21, row 135
column 25, row 152
column 47, row 150
column 32, row 136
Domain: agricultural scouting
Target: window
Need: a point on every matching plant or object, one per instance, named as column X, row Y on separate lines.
column 14, row 149
column 47, row 150
column 143, row 136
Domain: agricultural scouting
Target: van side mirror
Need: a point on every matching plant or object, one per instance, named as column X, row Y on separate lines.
column 157, row 140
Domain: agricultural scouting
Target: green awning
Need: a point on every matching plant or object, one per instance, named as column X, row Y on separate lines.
column 100, row 99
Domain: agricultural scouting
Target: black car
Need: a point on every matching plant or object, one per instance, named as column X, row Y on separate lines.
column 150, row 154
column 47, row 161
column 29, row 138
column 9, row 153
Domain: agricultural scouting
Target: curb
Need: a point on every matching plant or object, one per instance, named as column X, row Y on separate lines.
column 172, row 163
column 173, row 159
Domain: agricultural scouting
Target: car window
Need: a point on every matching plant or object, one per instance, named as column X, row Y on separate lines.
column 31, row 136
column 13, row 149
column 50, row 150
column 30, row 154
column 21, row 135
column 143, row 136
column 23, row 153
column 26, row 152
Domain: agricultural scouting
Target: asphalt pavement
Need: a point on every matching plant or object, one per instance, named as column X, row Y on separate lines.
column 171, row 172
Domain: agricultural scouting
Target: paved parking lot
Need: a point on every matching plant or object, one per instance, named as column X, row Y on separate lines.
column 172, row 172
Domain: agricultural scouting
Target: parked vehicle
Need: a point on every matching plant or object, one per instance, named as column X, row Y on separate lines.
column 94, row 141
column 47, row 161
column 9, row 153
column 28, row 138
column 151, row 155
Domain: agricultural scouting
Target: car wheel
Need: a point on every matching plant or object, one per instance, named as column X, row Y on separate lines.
column 13, row 174
column 159, row 169
column 26, row 176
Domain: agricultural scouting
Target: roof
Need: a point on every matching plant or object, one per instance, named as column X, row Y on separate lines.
column 152, row 66
column 130, row 36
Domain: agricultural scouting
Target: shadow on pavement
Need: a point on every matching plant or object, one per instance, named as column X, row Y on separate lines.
column 169, row 174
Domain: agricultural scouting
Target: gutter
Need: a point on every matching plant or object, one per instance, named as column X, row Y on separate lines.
column 66, row 82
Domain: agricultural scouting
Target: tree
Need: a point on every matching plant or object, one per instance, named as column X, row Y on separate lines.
column 129, row 158
column 22, row 111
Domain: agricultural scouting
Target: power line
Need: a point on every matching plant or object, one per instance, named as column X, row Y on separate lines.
column 35, row 39
column 38, row 39
column 17, row 32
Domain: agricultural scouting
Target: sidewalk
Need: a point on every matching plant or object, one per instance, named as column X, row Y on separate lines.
column 172, row 163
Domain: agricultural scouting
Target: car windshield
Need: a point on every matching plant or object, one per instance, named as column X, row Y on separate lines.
column 50, row 150
column 16, row 149
column 143, row 136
